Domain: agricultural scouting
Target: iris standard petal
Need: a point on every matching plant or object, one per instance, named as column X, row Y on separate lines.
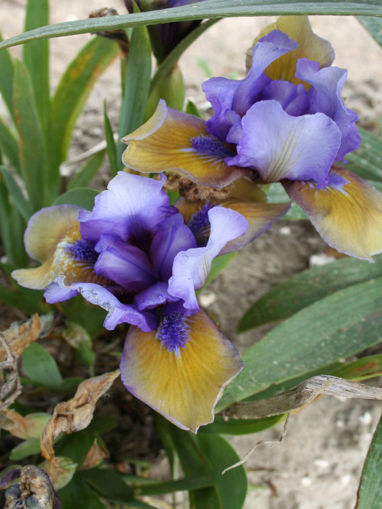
column 169, row 147
column 130, row 205
column 325, row 97
column 191, row 268
column 260, row 217
column 281, row 146
column 171, row 237
column 126, row 265
column 185, row 386
column 154, row 296
column 117, row 312
column 267, row 50
column 309, row 46
column 347, row 213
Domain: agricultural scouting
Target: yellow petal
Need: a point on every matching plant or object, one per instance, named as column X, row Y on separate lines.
column 260, row 217
column 163, row 143
column 348, row 216
column 47, row 227
column 185, row 387
column 310, row 46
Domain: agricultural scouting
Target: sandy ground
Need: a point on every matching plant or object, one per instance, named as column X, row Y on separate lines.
column 318, row 464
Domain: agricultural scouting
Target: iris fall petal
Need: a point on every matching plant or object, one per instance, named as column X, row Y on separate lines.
column 183, row 386
column 347, row 213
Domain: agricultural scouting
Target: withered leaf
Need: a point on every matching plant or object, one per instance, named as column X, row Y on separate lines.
column 96, row 454
column 301, row 395
column 24, row 427
column 20, row 335
column 77, row 413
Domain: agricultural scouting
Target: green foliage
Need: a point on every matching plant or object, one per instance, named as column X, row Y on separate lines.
column 370, row 490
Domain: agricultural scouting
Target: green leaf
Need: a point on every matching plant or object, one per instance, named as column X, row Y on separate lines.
column 241, row 426
column 40, row 367
column 73, row 91
column 76, row 445
column 137, row 85
column 370, row 491
column 192, row 109
column 81, row 196
column 15, row 194
column 209, row 9
column 36, row 58
column 32, row 145
column 307, row 287
column 218, row 264
column 79, row 495
column 28, row 301
column 361, row 369
column 367, row 160
column 110, row 143
column 207, row 455
column 12, row 227
column 325, row 332
column 26, row 448
column 87, row 315
column 6, row 78
column 9, row 145
column 85, row 175
column 108, row 484
column 373, row 26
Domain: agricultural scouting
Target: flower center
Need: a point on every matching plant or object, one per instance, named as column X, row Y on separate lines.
column 173, row 332
column 82, row 251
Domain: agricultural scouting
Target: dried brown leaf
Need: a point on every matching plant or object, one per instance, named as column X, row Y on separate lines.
column 77, row 413
column 301, row 395
column 24, row 427
column 96, row 454
column 20, row 335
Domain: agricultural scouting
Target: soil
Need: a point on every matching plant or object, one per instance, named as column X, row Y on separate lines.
column 319, row 462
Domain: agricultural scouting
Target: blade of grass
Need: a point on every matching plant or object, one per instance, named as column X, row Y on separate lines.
column 111, row 147
column 36, row 59
column 208, row 9
column 9, row 146
column 87, row 172
column 15, row 194
column 6, row 78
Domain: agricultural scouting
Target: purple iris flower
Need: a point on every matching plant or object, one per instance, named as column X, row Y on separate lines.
column 165, row 36
column 135, row 256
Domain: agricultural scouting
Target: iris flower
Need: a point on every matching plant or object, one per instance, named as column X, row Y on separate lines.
column 284, row 122
column 136, row 257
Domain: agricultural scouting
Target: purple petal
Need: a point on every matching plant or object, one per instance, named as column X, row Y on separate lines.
column 101, row 296
column 292, row 98
column 172, row 236
column 191, row 268
column 325, row 97
column 131, row 205
column 281, row 146
column 154, row 296
column 267, row 50
column 126, row 265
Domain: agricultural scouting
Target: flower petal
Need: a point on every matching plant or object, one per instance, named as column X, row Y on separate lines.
column 47, row 227
column 131, row 205
column 101, row 296
column 168, row 147
column 281, row 146
column 325, row 97
column 191, row 268
column 260, row 217
column 184, row 387
column 172, row 236
column 309, row 46
column 347, row 213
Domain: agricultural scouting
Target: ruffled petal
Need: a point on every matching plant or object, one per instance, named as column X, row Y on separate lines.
column 117, row 312
column 183, row 386
column 131, row 205
column 169, row 147
column 309, row 46
column 281, row 146
column 325, row 97
column 260, row 217
column 191, row 268
column 154, row 296
column 172, row 236
column 47, row 227
column 347, row 213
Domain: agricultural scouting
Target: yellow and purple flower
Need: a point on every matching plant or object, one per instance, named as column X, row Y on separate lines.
column 135, row 256
column 284, row 122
